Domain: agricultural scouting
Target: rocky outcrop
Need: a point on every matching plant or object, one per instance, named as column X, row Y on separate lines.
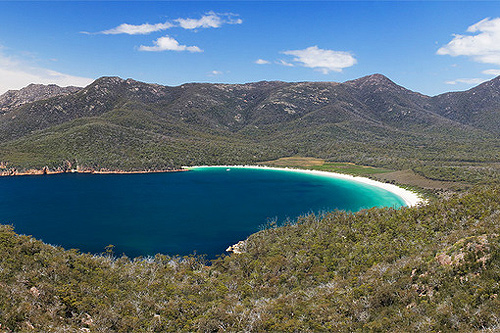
column 47, row 171
column 476, row 248
column 32, row 93
column 237, row 248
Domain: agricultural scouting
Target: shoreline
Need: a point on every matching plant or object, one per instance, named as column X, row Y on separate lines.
column 410, row 198
column 42, row 172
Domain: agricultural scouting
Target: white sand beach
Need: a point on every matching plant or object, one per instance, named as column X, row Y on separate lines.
column 410, row 198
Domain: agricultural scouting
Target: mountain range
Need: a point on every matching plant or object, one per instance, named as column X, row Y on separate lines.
column 433, row 267
column 130, row 125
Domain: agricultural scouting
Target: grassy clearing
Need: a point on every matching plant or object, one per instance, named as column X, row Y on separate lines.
column 296, row 162
column 350, row 168
column 321, row 165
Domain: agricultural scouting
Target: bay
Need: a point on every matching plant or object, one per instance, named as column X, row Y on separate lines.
column 201, row 211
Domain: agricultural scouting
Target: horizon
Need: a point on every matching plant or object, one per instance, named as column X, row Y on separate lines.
column 426, row 47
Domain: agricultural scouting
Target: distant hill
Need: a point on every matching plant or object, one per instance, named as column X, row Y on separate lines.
column 126, row 124
column 478, row 107
column 32, row 93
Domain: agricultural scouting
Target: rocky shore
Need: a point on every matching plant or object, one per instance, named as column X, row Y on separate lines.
column 237, row 248
column 47, row 171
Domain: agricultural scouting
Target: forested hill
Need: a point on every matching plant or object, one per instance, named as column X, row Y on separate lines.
column 430, row 269
column 130, row 125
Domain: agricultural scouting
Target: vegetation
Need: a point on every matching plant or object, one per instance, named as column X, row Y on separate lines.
column 320, row 165
column 351, row 168
column 430, row 268
column 128, row 125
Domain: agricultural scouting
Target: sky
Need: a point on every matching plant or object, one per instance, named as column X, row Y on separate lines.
column 430, row 47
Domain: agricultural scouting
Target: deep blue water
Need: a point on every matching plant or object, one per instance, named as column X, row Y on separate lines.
column 203, row 210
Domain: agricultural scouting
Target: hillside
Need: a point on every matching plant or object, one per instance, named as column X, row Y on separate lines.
column 32, row 93
column 427, row 268
column 130, row 125
column 478, row 107
column 431, row 268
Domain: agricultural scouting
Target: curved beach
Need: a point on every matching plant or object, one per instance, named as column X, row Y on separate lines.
column 409, row 197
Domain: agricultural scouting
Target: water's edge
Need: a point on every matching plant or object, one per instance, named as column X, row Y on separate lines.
column 409, row 197
column 146, row 214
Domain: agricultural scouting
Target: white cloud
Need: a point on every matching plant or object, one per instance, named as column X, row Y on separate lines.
column 213, row 73
column 494, row 72
column 467, row 81
column 284, row 63
column 261, row 62
column 209, row 20
column 168, row 44
column 142, row 29
column 322, row 60
column 482, row 46
column 16, row 74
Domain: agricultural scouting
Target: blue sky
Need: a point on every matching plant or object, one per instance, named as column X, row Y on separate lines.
column 429, row 47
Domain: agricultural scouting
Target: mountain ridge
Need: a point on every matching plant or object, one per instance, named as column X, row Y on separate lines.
column 32, row 93
column 116, row 123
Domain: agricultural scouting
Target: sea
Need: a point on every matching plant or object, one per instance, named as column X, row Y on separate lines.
column 201, row 211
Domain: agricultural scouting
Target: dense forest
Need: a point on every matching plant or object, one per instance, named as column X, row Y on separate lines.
column 434, row 267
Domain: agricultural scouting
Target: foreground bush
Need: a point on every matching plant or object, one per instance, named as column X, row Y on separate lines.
column 430, row 268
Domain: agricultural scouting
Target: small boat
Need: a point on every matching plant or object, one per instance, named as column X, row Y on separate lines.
column 228, row 169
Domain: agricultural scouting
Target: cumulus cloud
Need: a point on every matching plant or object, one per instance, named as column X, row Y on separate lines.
column 17, row 74
column 494, row 72
column 209, row 20
column 168, row 44
column 322, row 60
column 467, row 81
column 141, row 29
column 483, row 45
column 261, row 62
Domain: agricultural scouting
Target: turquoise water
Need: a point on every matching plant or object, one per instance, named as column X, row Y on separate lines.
column 203, row 210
